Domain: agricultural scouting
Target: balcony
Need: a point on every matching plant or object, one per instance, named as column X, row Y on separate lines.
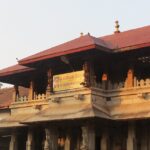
column 122, row 100
column 129, row 102
column 26, row 101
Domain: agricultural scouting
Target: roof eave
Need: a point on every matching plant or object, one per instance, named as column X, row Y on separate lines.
column 104, row 49
column 33, row 60
column 133, row 47
column 15, row 72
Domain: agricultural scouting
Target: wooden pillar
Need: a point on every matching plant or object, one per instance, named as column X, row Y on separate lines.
column 87, row 74
column 49, row 82
column 148, row 138
column 144, row 143
column 31, row 90
column 144, row 138
column 131, row 145
column 16, row 93
column 88, row 138
column 51, row 140
column 104, row 81
column 29, row 143
column 13, row 141
column 104, row 140
column 130, row 78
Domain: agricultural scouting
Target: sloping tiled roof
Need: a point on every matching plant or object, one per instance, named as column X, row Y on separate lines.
column 82, row 43
column 6, row 96
column 122, row 41
column 130, row 39
column 14, row 69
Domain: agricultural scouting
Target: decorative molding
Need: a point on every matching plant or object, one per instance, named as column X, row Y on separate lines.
column 79, row 97
column 56, row 99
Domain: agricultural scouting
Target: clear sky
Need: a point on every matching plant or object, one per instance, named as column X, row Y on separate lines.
column 29, row 26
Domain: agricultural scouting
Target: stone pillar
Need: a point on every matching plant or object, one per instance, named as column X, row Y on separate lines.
column 51, row 140
column 67, row 143
column 31, row 90
column 88, row 138
column 91, row 138
column 131, row 145
column 29, row 143
column 104, row 140
column 13, row 141
column 47, row 139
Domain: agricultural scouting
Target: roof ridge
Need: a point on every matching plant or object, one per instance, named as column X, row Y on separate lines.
column 130, row 30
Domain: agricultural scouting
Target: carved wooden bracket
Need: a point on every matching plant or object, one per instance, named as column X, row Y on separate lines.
column 56, row 100
column 79, row 97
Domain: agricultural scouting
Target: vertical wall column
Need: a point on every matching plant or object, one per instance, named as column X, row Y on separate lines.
column 131, row 139
column 88, row 138
column 51, row 140
column 13, row 141
column 104, row 140
column 29, row 143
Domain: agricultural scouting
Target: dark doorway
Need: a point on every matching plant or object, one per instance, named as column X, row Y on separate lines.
column 4, row 142
column 39, row 137
column 21, row 140
column 97, row 143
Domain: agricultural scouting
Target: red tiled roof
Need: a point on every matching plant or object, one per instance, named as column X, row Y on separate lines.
column 79, row 44
column 131, row 39
column 6, row 96
column 127, row 40
column 14, row 69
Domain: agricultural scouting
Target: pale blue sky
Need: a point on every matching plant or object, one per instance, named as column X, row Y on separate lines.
column 29, row 26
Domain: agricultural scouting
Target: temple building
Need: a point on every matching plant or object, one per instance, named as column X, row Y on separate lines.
column 90, row 93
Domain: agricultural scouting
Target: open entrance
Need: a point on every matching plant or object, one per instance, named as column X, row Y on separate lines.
column 97, row 143
column 21, row 139
column 4, row 142
column 39, row 137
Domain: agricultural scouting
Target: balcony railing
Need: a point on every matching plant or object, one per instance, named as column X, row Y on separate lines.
column 26, row 98
column 109, row 90
column 120, row 85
